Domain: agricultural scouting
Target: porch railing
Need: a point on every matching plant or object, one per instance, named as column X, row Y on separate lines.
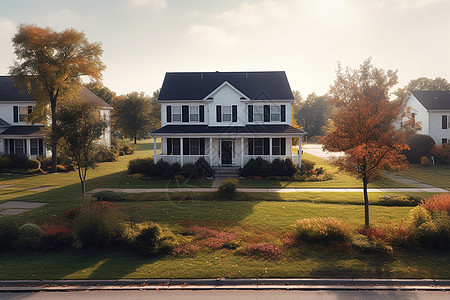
column 270, row 158
column 186, row 159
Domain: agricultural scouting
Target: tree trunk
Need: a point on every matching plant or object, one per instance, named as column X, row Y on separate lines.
column 366, row 202
column 53, row 140
column 83, row 187
column 135, row 140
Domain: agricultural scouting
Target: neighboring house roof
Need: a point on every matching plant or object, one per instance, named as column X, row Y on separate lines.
column 197, row 85
column 3, row 123
column 23, row 130
column 241, row 130
column 10, row 93
column 433, row 100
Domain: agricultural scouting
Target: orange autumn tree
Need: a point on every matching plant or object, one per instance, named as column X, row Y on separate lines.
column 50, row 65
column 362, row 126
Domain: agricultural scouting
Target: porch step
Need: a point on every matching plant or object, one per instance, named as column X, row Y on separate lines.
column 232, row 172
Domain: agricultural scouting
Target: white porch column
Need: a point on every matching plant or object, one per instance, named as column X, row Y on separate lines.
column 242, row 152
column 154, row 150
column 210, row 151
column 181, row 151
column 28, row 147
column 270, row 150
column 300, row 151
column 162, row 146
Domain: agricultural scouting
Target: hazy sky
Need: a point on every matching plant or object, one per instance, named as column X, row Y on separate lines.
column 143, row 39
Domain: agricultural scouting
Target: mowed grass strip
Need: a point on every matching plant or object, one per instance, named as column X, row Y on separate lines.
column 435, row 175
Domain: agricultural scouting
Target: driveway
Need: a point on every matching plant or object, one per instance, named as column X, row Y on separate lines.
column 316, row 150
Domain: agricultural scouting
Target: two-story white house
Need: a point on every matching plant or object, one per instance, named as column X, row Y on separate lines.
column 226, row 117
column 17, row 136
column 432, row 110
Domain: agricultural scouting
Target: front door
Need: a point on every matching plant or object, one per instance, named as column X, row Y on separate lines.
column 227, row 148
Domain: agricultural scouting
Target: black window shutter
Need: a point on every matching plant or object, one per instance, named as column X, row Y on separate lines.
column 283, row 146
column 185, row 113
column 202, row 146
column 41, row 146
column 24, row 143
column 169, row 146
column 219, row 113
column 266, row 146
column 30, row 109
column 185, row 146
column 266, row 113
column 16, row 114
column 234, row 112
column 201, row 110
column 283, row 113
column 169, row 113
column 250, row 113
column 11, row 146
column 444, row 122
column 250, row 146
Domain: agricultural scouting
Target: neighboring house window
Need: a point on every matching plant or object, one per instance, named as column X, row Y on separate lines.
column 444, row 141
column 176, row 113
column 258, row 146
column 258, row 113
column 193, row 114
column 275, row 113
column 279, row 146
column 226, row 113
column 173, row 146
column 21, row 112
column 445, row 122
column 36, row 147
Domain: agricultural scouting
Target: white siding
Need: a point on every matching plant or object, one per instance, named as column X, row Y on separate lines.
column 436, row 131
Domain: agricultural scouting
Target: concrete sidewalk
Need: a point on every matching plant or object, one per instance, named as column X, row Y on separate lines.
column 286, row 190
column 225, row 284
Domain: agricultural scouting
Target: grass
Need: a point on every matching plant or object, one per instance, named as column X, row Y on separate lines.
column 257, row 217
column 435, row 175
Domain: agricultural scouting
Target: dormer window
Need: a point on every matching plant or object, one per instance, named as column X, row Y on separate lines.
column 226, row 113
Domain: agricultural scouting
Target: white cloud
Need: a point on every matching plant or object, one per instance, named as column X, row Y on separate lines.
column 156, row 4
column 7, row 28
column 211, row 36
column 407, row 5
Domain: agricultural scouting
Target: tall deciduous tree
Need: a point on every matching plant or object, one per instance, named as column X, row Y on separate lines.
column 423, row 84
column 314, row 114
column 51, row 65
column 79, row 127
column 363, row 124
column 131, row 115
column 101, row 91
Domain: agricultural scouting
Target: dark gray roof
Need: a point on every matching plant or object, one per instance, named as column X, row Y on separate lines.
column 197, row 85
column 3, row 123
column 8, row 92
column 23, row 130
column 433, row 99
column 248, row 129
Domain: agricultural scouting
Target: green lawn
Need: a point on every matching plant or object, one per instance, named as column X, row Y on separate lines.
column 435, row 175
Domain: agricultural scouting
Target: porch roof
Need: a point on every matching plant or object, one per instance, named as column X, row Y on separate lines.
column 33, row 130
column 281, row 130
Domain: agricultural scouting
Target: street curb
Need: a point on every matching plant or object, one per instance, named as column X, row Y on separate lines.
column 305, row 284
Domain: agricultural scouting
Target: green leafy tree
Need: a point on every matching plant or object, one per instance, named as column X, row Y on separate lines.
column 155, row 113
column 314, row 113
column 363, row 125
column 131, row 115
column 422, row 84
column 80, row 126
column 101, row 91
column 50, row 65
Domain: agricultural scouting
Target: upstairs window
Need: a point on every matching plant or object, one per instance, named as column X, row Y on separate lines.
column 21, row 112
column 258, row 113
column 226, row 113
column 193, row 114
column 176, row 113
column 275, row 113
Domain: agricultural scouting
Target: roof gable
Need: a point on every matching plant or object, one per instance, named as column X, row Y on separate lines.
column 433, row 100
column 198, row 85
column 225, row 84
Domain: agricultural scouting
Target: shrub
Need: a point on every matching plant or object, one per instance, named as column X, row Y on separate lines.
column 28, row 236
column 263, row 250
column 106, row 154
column 289, row 168
column 56, row 236
column 33, row 164
column 227, row 188
column 419, row 215
column 399, row 200
column 435, row 233
column 140, row 165
column 185, row 250
column 203, row 167
column 72, row 213
column 188, row 170
column 98, row 227
column 110, row 196
column 127, row 149
column 365, row 244
column 168, row 172
column 439, row 202
column 160, row 166
column 441, row 153
column 321, row 231
column 278, row 167
column 9, row 230
column 425, row 161
column 5, row 162
column 400, row 236
column 308, row 165
column 265, row 170
column 214, row 239
column 153, row 239
column 419, row 145
column 61, row 168
column 19, row 161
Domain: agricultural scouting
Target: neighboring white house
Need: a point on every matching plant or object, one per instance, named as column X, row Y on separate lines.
column 19, row 137
column 432, row 110
column 226, row 117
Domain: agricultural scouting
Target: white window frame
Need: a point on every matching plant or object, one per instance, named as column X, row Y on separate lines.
column 226, row 113
column 194, row 113
column 34, row 149
column 194, row 146
column 274, row 115
column 176, row 116
column 258, row 113
column 261, row 146
column 23, row 113
column 24, row 145
column 277, row 147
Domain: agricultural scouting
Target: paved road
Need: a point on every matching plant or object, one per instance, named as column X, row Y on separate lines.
column 227, row 295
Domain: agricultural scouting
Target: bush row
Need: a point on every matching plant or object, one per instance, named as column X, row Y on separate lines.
column 18, row 162
column 165, row 170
